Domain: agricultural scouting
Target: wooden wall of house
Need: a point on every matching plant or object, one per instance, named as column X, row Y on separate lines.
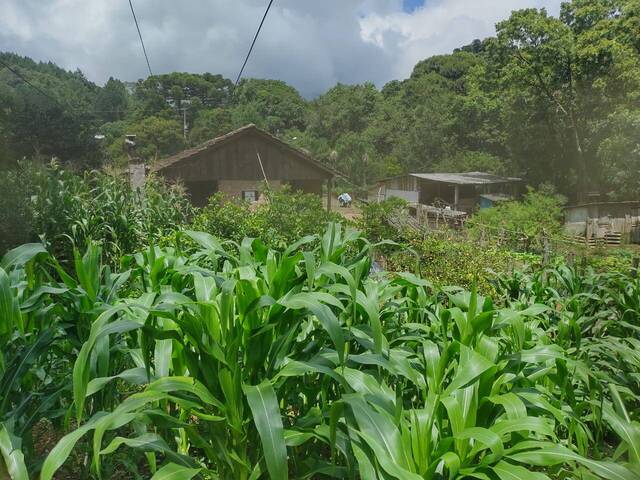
column 236, row 159
column 468, row 195
column 406, row 182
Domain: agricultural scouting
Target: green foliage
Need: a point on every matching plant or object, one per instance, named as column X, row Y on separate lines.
column 226, row 218
column 33, row 125
column 156, row 137
column 66, row 209
column 16, row 218
column 537, row 215
column 374, row 221
column 112, row 101
column 294, row 363
column 211, row 124
column 344, row 108
column 271, row 219
column 620, row 155
column 162, row 95
column 452, row 67
column 270, row 104
column 605, row 260
column 472, row 162
column 445, row 258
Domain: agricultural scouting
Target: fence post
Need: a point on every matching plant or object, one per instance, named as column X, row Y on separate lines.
column 546, row 252
column 634, row 267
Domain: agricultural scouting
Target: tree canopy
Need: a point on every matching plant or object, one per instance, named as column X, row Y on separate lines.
column 551, row 99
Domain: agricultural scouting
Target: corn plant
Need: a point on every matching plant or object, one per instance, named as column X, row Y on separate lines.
column 237, row 361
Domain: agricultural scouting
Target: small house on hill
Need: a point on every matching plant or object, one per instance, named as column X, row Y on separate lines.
column 239, row 163
column 460, row 191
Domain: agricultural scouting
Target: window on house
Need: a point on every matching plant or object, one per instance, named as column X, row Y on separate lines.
column 250, row 196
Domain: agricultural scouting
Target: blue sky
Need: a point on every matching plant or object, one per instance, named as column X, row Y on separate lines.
column 410, row 5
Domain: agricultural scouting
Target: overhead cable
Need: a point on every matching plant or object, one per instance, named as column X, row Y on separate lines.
column 253, row 43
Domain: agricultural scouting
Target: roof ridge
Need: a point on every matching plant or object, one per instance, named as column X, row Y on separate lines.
column 184, row 154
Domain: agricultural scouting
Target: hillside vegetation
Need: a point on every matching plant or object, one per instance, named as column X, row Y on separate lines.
column 554, row 100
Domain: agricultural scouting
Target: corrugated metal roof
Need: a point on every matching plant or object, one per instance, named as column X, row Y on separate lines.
column 469, row 178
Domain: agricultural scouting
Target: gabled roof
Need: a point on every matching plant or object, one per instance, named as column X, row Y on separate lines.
column 469, row 178
column 228, row 137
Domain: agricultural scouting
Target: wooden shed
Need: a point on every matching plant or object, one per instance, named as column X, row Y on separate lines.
column 239, row 163
column 460, row 191
column 615, row 222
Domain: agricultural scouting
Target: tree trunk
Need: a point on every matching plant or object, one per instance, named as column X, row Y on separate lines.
column 582, row 164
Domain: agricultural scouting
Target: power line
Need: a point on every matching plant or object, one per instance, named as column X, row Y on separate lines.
column 26, row 80
column 252, row 43
column 144, row 50
column 67, row 108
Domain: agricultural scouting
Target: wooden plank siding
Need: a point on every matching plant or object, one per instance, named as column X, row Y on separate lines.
column 238, row 160
column 230, row 164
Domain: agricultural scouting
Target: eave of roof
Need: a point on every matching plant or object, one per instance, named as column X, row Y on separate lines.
column 622, row 203
column 469, row 178
column 218, row 141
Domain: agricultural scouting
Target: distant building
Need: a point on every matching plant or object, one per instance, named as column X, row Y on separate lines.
column 239, row 163
column 463, row 192
column 613, row 222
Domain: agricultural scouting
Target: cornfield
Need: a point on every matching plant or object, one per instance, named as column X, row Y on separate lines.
column 235, row 361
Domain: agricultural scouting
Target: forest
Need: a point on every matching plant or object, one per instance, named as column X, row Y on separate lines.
column 552, row 100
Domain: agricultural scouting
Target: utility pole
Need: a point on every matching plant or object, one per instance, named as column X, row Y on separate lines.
column 184, row 122
column 183, row 107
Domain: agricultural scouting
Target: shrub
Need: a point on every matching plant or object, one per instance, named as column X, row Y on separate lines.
column 374, row 221
column 524, row 222
column 281, row 218
column 446, row 258
column 227, row 218
column 288, row 216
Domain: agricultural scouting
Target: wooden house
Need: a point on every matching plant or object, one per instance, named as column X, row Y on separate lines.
column 239, row 163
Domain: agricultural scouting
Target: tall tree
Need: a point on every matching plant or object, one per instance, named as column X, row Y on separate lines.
column 538, row 52
column 271, row 104
column 112, row 101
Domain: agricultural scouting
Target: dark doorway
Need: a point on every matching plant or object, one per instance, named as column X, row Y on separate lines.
column 200, row 191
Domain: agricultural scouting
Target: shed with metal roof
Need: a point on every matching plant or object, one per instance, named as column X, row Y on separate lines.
column 460, row 191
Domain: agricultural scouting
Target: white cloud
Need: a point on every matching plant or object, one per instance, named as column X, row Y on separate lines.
column 438, row 27
column 310, row 44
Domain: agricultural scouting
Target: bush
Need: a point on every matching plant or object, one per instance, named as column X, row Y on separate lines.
column 374, row 220
column 283, row 217
column 524, row 222
column 226, row 218
column 445, row 258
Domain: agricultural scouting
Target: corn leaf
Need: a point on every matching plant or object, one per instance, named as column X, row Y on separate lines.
column 266, row 416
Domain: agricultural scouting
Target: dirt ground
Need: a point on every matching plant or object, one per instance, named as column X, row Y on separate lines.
column 350, row 213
